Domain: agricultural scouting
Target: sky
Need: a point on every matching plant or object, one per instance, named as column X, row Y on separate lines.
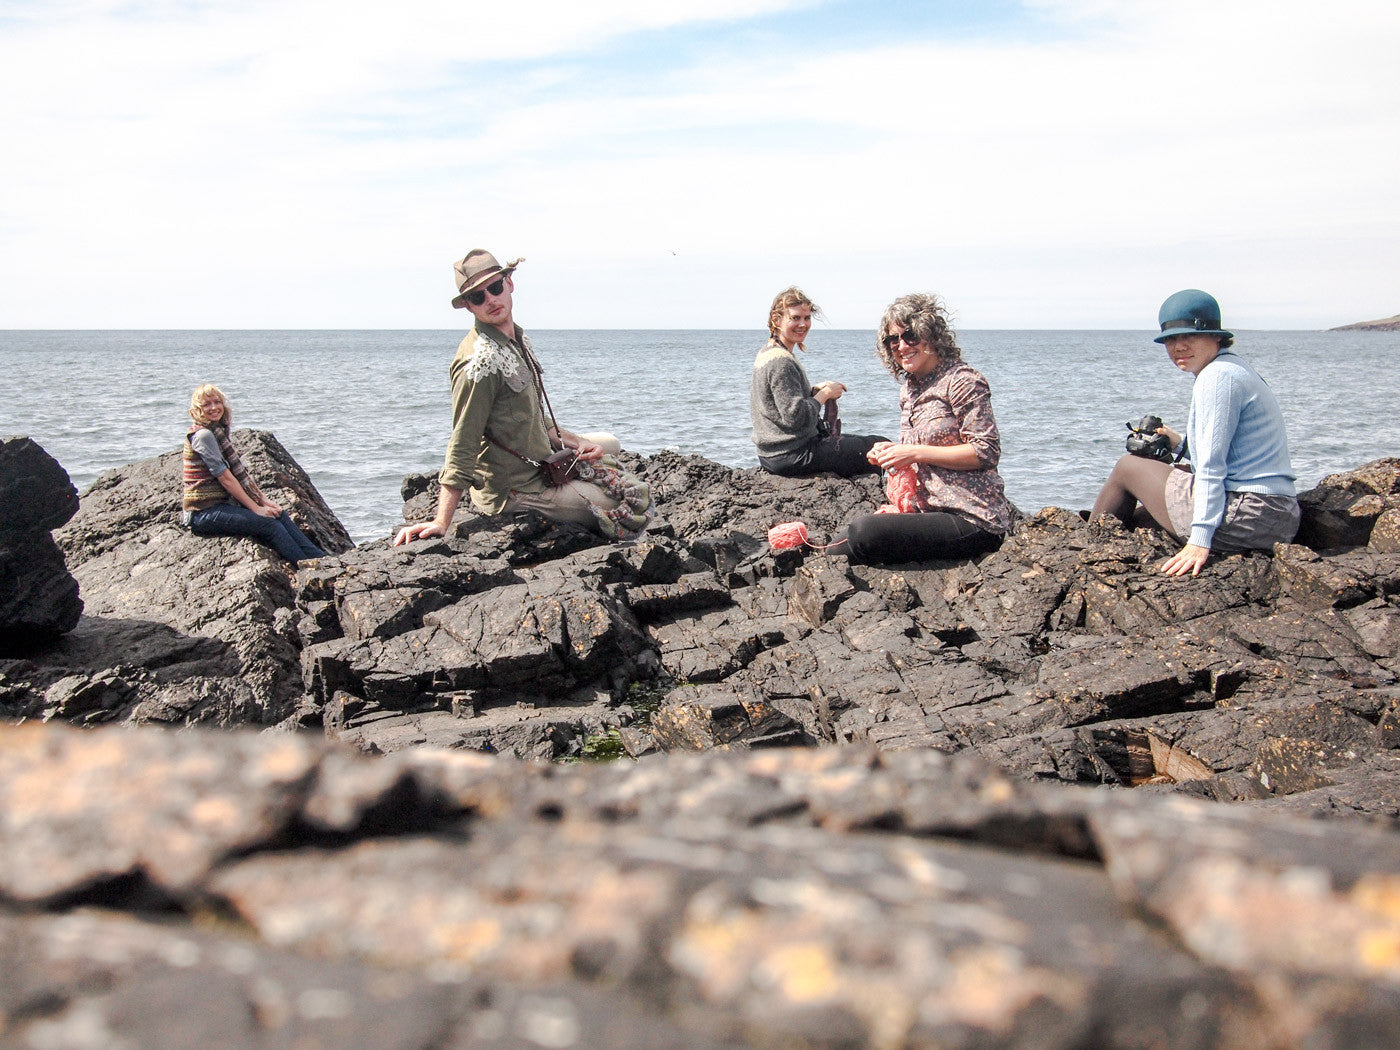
column 676, row 163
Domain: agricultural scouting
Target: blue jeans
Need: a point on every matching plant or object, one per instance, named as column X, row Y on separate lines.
column 279, row 533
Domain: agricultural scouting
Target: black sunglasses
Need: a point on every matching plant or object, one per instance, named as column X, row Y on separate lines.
column 907, row 337
column 478, row 297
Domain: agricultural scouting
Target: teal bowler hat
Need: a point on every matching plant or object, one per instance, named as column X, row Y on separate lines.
column 1190, row 312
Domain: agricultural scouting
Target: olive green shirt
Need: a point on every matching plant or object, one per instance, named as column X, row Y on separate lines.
column 492, row 388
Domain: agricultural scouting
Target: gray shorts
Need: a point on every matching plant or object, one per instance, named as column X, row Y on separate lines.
column 1253, row 520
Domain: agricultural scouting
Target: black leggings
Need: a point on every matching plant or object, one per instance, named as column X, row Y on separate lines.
column 874, row 539
column 845, row 457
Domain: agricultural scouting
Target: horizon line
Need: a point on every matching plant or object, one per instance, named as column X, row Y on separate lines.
column 1338, row 328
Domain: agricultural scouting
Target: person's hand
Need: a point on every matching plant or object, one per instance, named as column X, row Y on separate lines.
column 267, row 509
column 418, row 531
column 1189, row 559
column 890, row 456
column 588, row 451
column 1171, row 435
column 873, row 455
column 829, row 391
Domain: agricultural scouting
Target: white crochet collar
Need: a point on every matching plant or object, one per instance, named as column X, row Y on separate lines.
column 490, row 357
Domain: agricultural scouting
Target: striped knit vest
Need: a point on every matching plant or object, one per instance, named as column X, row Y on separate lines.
column 202, row 489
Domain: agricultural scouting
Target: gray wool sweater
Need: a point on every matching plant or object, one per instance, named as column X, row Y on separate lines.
column 781, row 405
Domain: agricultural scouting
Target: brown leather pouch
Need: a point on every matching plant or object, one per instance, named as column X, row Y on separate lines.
column 561, row 467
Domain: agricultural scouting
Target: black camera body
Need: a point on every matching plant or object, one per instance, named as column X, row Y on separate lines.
column 1143, row 440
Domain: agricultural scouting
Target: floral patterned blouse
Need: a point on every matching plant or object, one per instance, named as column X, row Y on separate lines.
column 953, row 406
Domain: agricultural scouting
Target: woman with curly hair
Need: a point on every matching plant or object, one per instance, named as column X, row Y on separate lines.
column 220, row 498
column 793, row 426
column 949, row 501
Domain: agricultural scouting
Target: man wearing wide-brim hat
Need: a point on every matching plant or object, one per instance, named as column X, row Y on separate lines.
column 501, row 435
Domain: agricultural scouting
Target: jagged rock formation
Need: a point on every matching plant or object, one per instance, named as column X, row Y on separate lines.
column 38, row 596
column 177, row 628
column 202, row 889
column 1271, row 679
column 526, row 637
column 1064, row 655
column 858, row 837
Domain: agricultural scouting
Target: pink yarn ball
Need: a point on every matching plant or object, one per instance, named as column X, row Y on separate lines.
column 787, row 535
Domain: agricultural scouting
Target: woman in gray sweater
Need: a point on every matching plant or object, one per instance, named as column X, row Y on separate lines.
column 792, row 425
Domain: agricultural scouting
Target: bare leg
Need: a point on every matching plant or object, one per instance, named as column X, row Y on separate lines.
column 1135, row 480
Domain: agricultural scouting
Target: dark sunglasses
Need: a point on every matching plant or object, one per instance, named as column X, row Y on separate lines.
column 907, row 337
column 478, row 297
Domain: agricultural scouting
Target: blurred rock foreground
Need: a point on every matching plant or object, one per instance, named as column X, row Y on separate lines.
column 971, row 804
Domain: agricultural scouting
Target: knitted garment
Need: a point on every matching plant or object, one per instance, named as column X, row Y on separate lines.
column 634, row 510
column 202, row 488
column 901, row 486
column 1236, row 439
column 781, row 406
column 831, row 421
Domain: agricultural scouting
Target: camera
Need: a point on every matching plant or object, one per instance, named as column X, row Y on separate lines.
column 1143, row 439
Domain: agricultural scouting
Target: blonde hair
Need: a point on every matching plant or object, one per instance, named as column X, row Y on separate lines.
column 204, row 393
column 789, row 297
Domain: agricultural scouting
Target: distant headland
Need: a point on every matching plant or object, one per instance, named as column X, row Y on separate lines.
column 1388, row 324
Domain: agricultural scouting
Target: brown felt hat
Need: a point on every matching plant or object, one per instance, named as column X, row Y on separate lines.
column 476, row 268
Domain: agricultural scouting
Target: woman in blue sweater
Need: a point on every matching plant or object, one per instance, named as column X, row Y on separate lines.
column 1238, row 494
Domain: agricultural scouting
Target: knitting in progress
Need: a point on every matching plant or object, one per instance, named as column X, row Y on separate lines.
column 900, row 484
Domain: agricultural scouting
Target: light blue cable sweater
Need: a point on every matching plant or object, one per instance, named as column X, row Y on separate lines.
column 1237, row 441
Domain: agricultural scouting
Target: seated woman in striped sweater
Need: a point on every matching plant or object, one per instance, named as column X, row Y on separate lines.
column 1238, row 494
column 220, row 498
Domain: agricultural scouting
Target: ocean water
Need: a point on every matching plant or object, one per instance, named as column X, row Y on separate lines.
column 359, row 409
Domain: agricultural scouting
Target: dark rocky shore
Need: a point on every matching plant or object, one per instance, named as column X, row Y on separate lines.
column 1385, row 324
column 1049, row 798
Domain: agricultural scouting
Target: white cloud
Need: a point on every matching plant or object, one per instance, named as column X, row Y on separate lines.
column 318, row 164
